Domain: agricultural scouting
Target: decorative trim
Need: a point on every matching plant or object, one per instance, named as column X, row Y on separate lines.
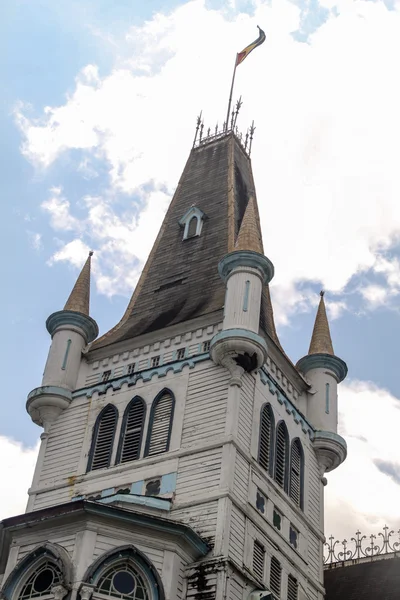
column 68, row 318
column 50, row 390
column 187, row 217
column 327, row 398
column 144, row 375
column 301, row 451
column 266, row 407
column 298, row 418
column 246, row 258
column 231, row 342
column 323, row 361
column 283, row 425
column 64, row 365
column 330, row 448
column 154, row 405
column 123, row 428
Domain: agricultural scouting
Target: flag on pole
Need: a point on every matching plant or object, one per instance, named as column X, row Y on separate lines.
column 242, row 55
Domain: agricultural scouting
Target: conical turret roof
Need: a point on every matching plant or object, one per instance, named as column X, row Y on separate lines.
column 249, row 237
column 321, row 342
column 79, row 298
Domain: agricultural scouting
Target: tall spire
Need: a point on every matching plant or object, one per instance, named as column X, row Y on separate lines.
column 249, row 237
column 79, row 298
column 321, row 342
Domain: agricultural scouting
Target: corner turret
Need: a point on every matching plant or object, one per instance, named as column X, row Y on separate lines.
column 245, row 270
column 324, row 371
column 71, row 330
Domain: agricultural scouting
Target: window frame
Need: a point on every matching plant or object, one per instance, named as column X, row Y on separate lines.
column 285, row 485
column 122, row 432
column 267, row 407
column 157, row 399
column 95, row 433
column 300, row 504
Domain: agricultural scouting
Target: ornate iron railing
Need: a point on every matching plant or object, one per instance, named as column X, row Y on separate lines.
column 362, row 546
column 204, row 137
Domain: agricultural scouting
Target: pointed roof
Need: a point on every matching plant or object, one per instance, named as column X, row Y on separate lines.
column 321, row 342
column 180, row 280
column 249, row 237
column 79, row 298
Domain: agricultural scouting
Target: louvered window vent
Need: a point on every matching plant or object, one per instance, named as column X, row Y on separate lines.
column 180, row 354
column 206, row 346
column 281, row 455
column 106, row 375
column 103, row 440
column 155, row 361
column 132, row 430
column 258, row 560
column 275, row 577
column 296, row 475
column 131, row 369
column 266, row 438
column 293, row 588
column 160, row 425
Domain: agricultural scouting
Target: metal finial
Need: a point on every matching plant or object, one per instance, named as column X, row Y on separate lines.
column 91, row 253
column 198, row 122
column 322, row 293
column 252, row 130
column 216, row 129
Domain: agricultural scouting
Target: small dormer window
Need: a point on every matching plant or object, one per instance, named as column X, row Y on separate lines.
column 192, row 222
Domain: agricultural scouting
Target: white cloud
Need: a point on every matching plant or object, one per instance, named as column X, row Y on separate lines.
column 359, row 494
column 16, row 471
column 35, row 239
column 324, row 155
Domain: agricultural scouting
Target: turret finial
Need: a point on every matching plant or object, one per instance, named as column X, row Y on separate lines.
column 79, row 298
column 321, row 342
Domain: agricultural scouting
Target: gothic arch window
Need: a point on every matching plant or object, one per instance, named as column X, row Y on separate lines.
column 43, row 574
column 282, row 455
column 103, row 439
column 296, row 483
column 266, row 439
column 160, row 424
column 126, row 574
column 130, row 440
column 192, row 222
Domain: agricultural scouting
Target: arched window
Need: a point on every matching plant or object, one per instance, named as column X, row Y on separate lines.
column 266, row 440
column 103, row 439
column 130, row 440
column 125, row 573
column 44, row 577
column 282, row 455
column 192, row 228
column 296, row 473
column 275, row 577
column 160, row 425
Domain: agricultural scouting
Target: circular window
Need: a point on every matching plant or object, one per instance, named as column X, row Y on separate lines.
column 124, row 582
column 43, row 581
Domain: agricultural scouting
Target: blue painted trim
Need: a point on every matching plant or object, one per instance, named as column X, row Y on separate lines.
column 95, row 434
column 246, row 258
column 227, row 334
column 168, row 483
column 63, row 367
column 323, row 361
column 76, row 319
column 266, row 379
column 144, row 375
column 300, row 447
column 264, row 409
column 246, row 296
column 327, row 398
column 134, row 402
column 150, row 501
column 137, row 488
column 50, row 390
column 107, row 492
column 156, row 400
column 330, row 435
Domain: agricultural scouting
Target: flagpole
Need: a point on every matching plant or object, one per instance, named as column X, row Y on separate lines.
column 230, row 96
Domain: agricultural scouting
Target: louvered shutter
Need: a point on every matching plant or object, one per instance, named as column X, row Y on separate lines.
column 296, row 458
column 275, row 577
column 104, row 438
column 266, row 433
column 160, row 424
column 293, row 586
column 132, row 431
column 258, row 560
column 281, row 455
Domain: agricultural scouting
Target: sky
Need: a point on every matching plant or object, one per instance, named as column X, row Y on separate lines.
column 97, row 118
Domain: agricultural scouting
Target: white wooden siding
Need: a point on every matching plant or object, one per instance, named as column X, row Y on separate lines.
column 198, row 474
column 313, row 491
column 65, row 537
column 235, row 588
column 314, row 558
column 237, row 536
column 202, row 518
column 205, row 410
column 245, row 424
column 241, row 478
column 105, row 542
